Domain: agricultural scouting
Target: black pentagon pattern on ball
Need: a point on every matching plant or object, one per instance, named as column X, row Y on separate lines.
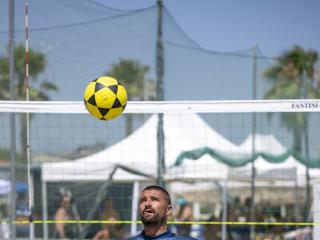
column 103, row 111
column 98, row 86
column 92, row 100
column 116, row 103
column 114, row 89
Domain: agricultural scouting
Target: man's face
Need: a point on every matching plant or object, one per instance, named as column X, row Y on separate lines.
column 153, row 207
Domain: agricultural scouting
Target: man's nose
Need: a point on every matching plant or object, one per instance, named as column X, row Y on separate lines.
column 148, row 202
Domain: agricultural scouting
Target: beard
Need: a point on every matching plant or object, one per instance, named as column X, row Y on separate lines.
column 155, row 219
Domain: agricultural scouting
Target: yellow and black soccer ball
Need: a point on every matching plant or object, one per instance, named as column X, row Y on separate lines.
column 105, row 98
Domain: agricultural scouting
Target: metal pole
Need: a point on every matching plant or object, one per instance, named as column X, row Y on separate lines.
column 160, row 96
column 30, row 182
column 254, row 126
column 44, row 210
column 296, row 189
column 308, row 187
column 134, row 213
column 225, row 210
column 306, row 142
column 12, row 120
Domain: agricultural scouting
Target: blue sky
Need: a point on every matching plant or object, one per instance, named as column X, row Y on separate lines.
column 274, row 25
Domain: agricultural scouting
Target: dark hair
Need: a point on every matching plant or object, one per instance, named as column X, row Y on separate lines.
column 162, row 189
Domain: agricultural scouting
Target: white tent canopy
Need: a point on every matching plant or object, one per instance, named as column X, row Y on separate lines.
column 182, row 133
column 139, row 151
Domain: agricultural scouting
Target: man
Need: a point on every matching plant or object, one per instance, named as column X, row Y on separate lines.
column 155, row 208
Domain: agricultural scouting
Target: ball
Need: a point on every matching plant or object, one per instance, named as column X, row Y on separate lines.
column 105, row 98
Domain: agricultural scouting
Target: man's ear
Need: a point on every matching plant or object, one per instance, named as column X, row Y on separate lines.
column 169, row 210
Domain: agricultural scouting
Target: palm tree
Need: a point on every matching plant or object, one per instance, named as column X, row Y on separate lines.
column 292, row 77
column 37, row 64
column 287, row 78
column 132, row 75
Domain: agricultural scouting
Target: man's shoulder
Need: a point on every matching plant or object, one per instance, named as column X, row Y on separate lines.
column 183, row 238
column 137, row 237
column 173, row 236
column 169, row 236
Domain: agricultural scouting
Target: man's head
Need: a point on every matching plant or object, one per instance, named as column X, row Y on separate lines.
column 154, row 205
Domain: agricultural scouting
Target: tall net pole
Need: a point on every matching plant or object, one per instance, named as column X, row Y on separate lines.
column 160, row 96
column 254, row 129
column 306, row 148
column 12, row 120
column 30, row 188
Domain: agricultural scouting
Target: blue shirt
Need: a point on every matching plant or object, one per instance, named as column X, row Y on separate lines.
column 164, row 236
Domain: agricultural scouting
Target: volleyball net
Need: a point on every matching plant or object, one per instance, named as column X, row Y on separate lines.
column 210, row 151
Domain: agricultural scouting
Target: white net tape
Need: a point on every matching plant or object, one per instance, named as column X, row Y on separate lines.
column 169, row 106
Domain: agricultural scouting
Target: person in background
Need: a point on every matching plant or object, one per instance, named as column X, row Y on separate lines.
column 4, row 227
column 22, row 214
column 184, row 214
column 110, row 231
column 210, row 231
column 155, row 208
column 65, row 213
column 114, row 230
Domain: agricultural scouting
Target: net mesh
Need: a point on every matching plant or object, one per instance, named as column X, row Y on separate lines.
column 103, row 169
column 102, row 36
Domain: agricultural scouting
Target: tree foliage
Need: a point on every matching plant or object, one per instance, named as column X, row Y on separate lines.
column 292, row 77
column 38, row 90
column 37, row 64
column 133, row 76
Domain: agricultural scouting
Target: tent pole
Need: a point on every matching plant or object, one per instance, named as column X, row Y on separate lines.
column 225, row 209
column 296, row 204
column 44, row 210
column 134, row 212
